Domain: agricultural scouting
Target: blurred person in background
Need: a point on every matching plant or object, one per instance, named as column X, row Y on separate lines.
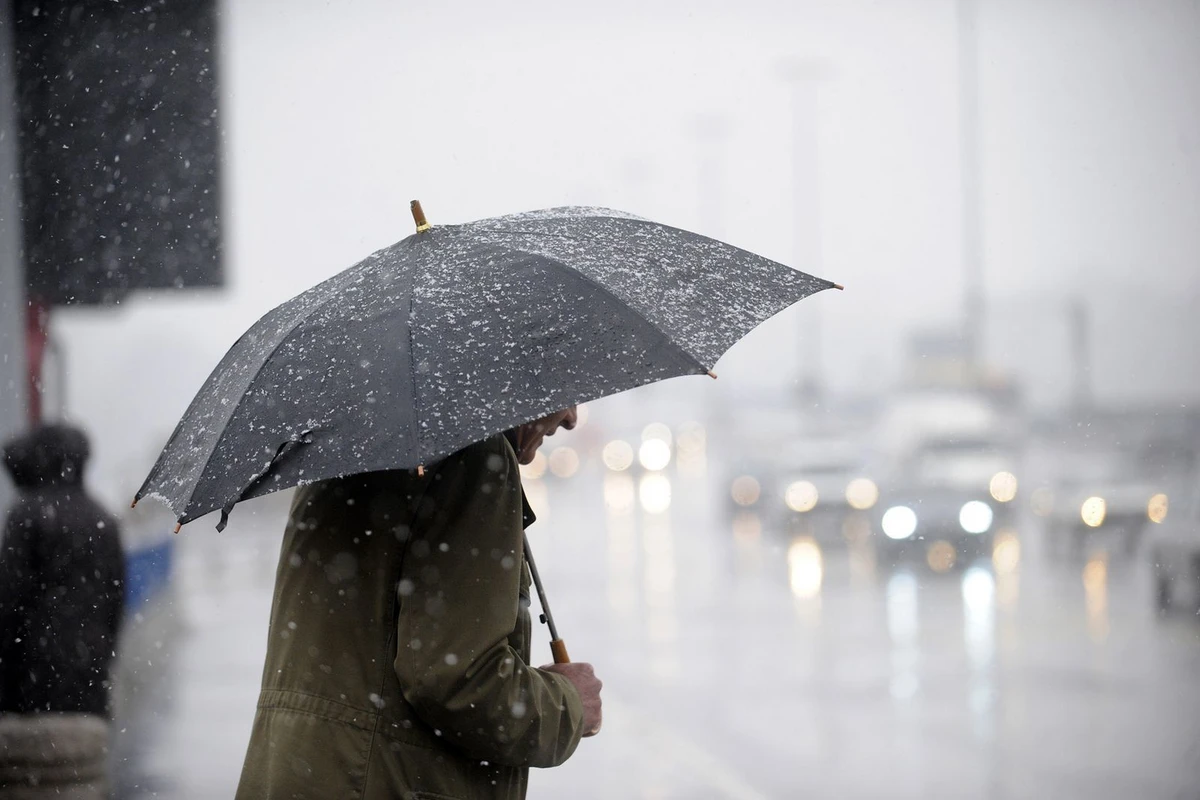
column 399, row 641
column 62, row 578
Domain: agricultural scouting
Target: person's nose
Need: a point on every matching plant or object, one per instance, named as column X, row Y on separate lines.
column 570, row 419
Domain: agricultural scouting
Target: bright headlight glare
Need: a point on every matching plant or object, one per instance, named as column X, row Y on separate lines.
column 801, row 496
column 1003, row 487
column 899, row 522
column 976, row 517
column 654, row 454
column 1093, row 511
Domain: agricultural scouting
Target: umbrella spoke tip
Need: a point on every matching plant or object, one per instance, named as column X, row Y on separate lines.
column 178, row 527
column 134, row 503
column 839, row 287
column 421, row 471
column 711, row 374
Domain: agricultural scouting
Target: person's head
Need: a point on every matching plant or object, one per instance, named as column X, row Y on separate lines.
column 49, row 454
column 527, row 438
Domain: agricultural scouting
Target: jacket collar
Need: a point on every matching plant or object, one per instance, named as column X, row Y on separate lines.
column 527, row 515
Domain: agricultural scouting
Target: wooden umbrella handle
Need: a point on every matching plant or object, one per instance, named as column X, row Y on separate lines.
column 559, row 648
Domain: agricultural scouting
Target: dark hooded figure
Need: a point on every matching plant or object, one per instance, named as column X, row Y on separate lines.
column 62, row 579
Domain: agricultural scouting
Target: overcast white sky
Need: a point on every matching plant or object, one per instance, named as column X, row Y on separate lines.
column 337, row 114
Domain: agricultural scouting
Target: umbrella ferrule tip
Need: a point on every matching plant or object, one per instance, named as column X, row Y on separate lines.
column 712, row 374
column 839, row 287
column 419, row 216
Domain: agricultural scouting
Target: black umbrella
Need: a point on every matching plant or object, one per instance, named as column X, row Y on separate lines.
column 455, row 334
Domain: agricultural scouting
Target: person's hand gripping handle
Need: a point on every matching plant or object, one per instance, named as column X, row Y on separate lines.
column 581, row 676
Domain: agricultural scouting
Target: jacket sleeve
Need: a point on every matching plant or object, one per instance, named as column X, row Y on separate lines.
column 459, row 594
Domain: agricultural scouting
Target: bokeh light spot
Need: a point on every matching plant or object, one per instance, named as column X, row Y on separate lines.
column 801, row 496
column 1003, row 487
column 745, row 490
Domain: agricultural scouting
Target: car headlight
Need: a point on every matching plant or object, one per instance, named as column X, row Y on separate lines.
column 899, row 522
column 654, row 454
column 976, row 517
column 1156, row 509
column 862, row 494
column 1093, row 511
column 801, row 496
column 1003, row 487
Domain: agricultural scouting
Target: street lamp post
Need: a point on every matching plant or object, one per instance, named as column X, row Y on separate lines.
column 803, row 76
column 974, row 307
column 711, row 131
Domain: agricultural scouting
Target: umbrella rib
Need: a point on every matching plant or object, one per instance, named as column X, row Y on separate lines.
column 561, row 235
column 516, row 232
column 581, row 276
column 412, row 375
column 257, row 371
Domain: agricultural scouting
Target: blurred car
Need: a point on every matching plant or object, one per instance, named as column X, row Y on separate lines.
column 803, row 485
column 820, row 485
column 1105, row 496
column 1173, row 542
column 946, row 502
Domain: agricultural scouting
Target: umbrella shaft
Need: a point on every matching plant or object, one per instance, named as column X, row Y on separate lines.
column 537, row 582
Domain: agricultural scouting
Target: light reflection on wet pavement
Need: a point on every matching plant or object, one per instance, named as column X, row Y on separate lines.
column 740, row 661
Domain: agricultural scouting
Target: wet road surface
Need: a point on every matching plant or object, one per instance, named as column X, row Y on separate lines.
column 742, row 662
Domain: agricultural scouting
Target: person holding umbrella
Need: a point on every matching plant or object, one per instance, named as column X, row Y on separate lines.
column 401, row 395
column 407, row 596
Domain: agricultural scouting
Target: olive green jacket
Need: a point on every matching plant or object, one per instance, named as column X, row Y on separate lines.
column 397, row 662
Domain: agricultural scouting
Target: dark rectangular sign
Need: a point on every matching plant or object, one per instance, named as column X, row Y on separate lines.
column 120, row 147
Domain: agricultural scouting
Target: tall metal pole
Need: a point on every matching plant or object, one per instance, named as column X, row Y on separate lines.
column 974, row 307
column 711, row 131
column 1081, row 353
column 803, row 77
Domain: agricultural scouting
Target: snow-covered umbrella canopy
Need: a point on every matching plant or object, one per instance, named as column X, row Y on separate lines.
column 455, row 334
